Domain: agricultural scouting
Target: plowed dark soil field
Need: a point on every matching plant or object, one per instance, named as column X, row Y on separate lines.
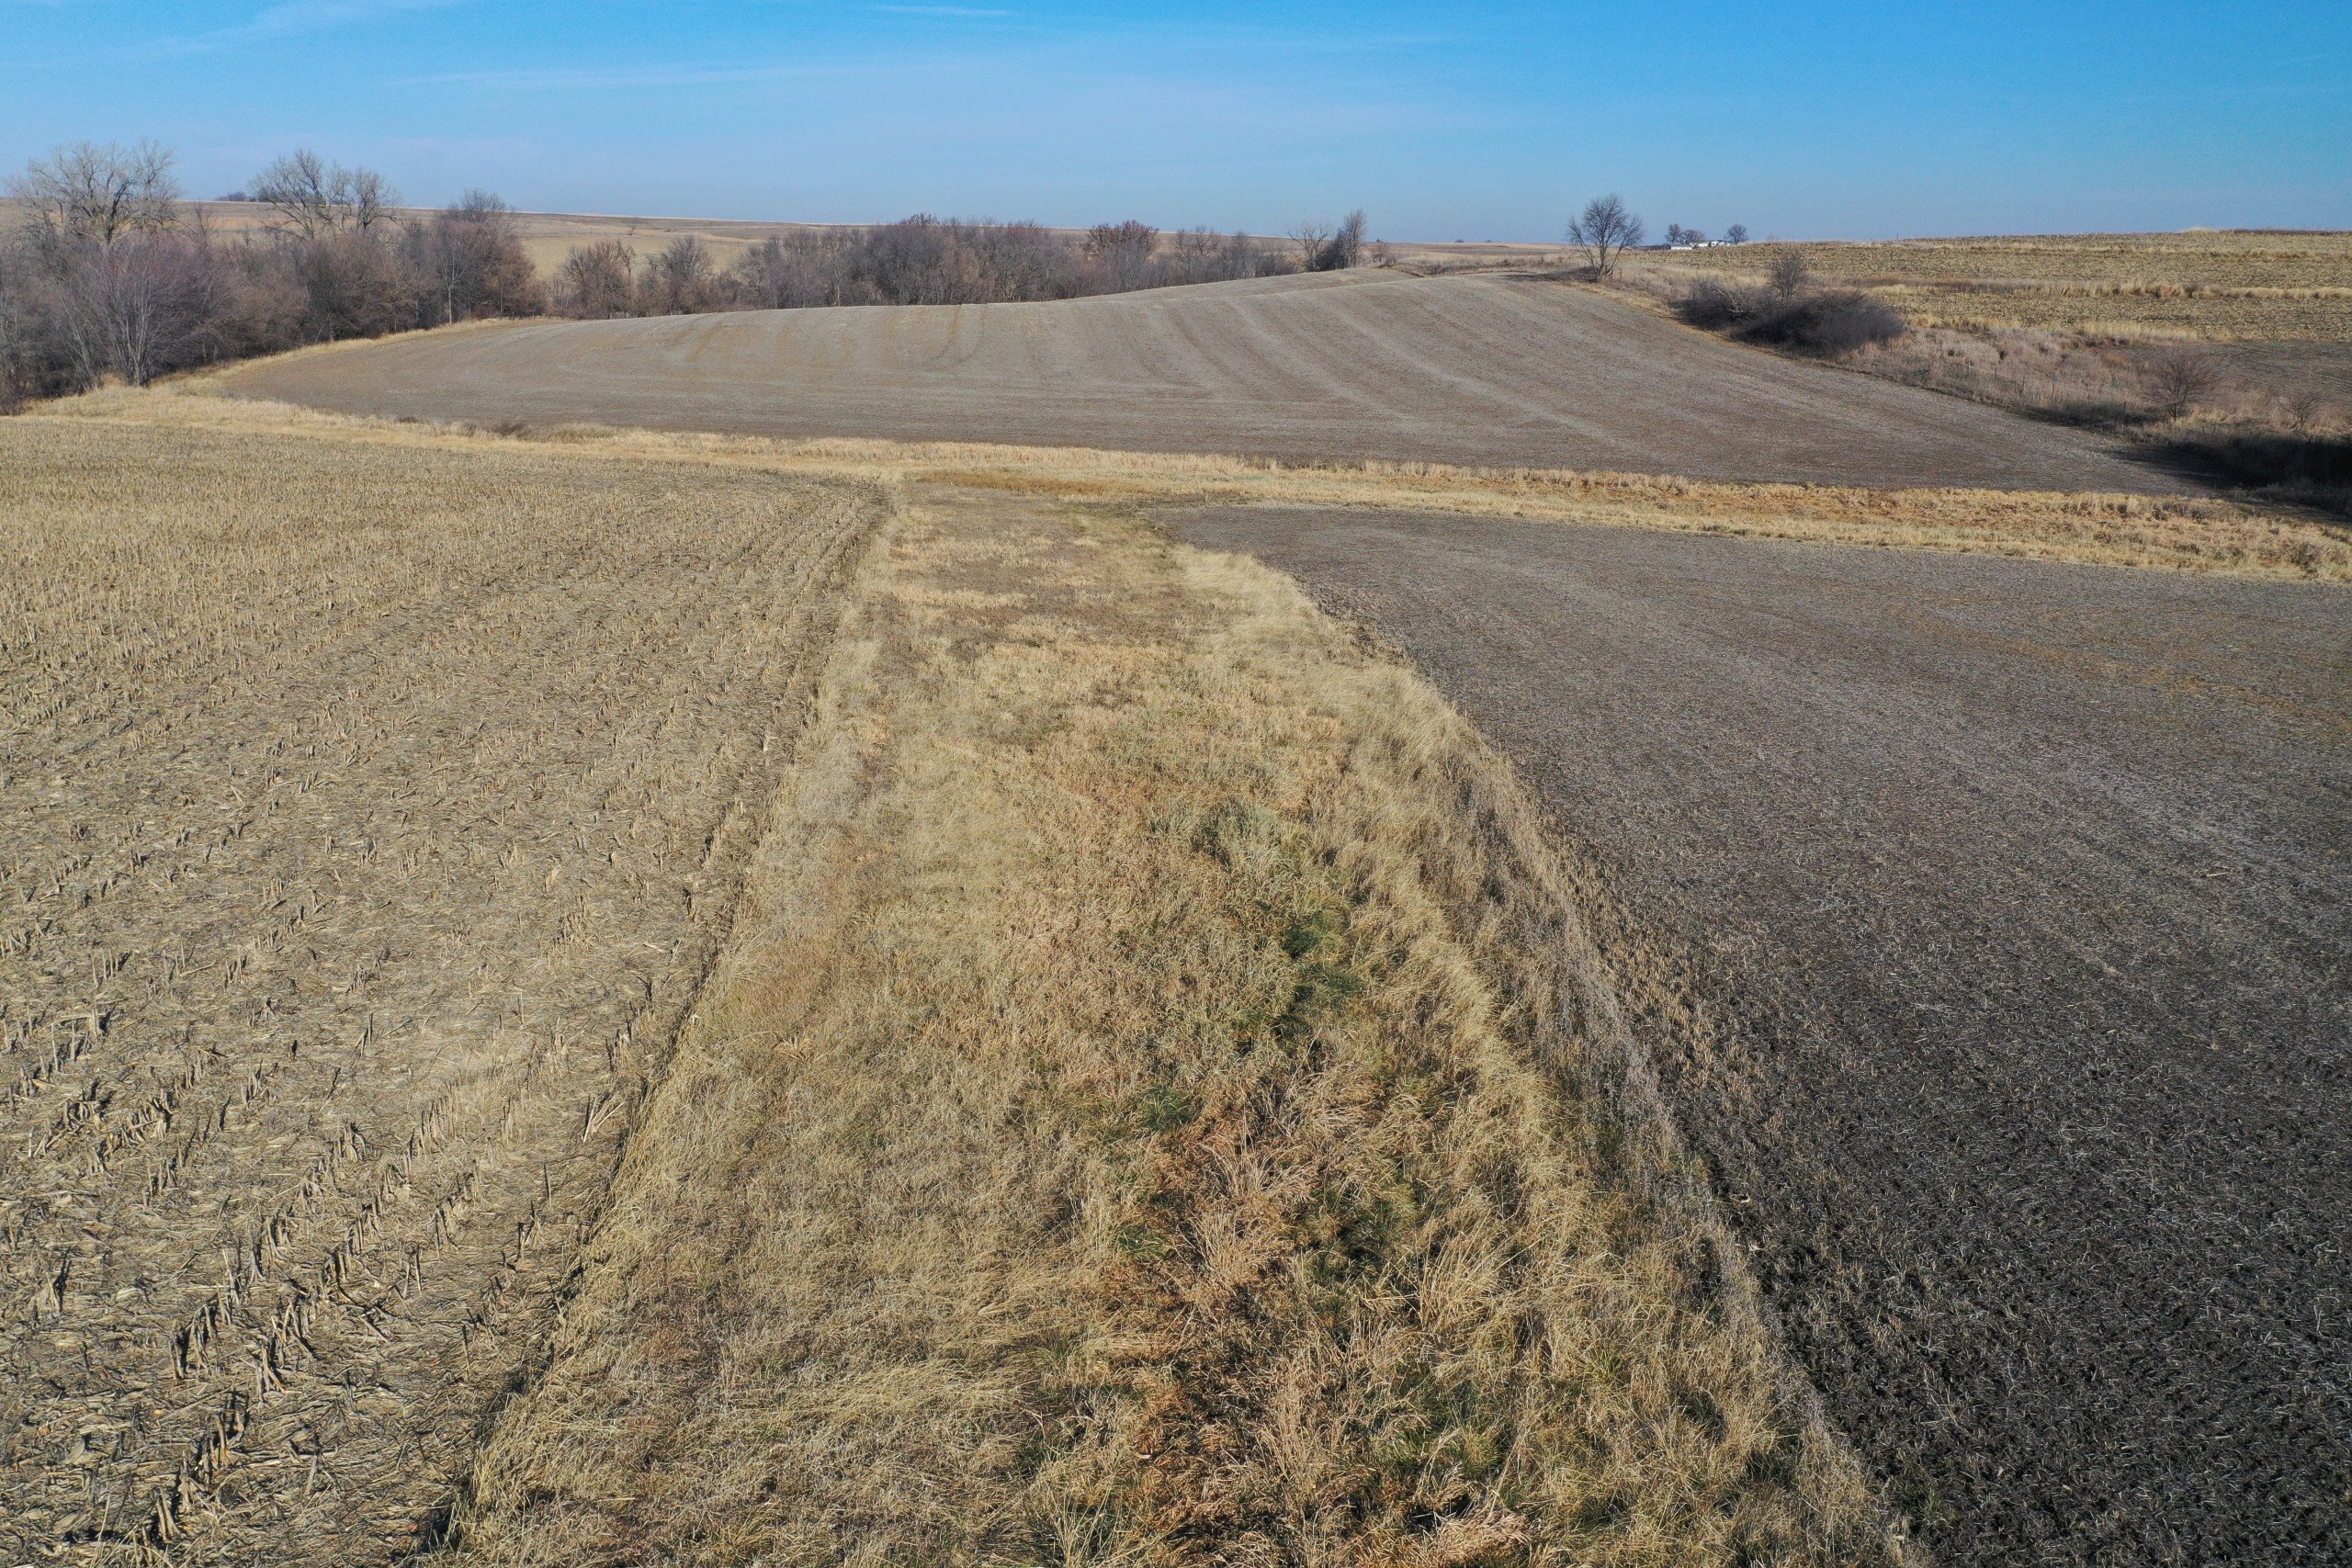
column 2014, row 899
column 1486, row 371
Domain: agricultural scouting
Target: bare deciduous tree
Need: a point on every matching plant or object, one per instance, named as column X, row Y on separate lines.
column 1791, row 276
column 1195, row 245
column 1323, row 247
column 1737, row 234
column 593, row 282
column 125, row 306
column 1311, row 237
column 1119, row 255
column 314, row 197
column 471, row 262
column 679, row 279
column 371, row 200
column 355, row 285
column 1605, row 229
column 83, row 191
column 1346, row 248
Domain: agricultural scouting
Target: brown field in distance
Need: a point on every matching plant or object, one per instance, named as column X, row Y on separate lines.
column 548, row 236
column 2222, row 285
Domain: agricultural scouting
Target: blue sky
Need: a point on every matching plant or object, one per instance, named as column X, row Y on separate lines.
column 1474, row 121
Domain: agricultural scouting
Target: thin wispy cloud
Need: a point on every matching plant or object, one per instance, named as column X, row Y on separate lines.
column 292, row 20
column 599, row 79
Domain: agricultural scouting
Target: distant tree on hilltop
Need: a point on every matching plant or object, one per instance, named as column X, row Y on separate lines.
column 1603, row 230
column 314, row 197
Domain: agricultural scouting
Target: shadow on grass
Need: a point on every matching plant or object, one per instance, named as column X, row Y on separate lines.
column 2308, row 466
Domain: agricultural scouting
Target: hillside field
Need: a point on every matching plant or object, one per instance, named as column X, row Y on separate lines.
column 1488, row 371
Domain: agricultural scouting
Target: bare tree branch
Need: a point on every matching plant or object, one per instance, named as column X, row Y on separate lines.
column 1605, row 229
column 83, row 191
column 314, row 197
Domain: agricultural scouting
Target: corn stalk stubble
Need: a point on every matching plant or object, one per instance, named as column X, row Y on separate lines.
column 370, row 817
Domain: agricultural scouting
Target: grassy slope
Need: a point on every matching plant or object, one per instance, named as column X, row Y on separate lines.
column 1157, row 1107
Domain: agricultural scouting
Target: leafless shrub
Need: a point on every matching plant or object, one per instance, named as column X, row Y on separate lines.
column 2179, row 379
column 1784, row 314
column 2306, row 408
column 20, row 331
column 1828, row 324
column 780, row 274
column 1791, row 276
column 1604, row 229
column 1716, row 305
column 355, row 285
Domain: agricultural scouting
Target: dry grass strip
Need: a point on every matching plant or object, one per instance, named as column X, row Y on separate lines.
column 2174, row 533
column 1156, row 1109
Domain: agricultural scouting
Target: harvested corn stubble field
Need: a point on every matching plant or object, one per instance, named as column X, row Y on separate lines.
column 368, row 817
column 564, row 1008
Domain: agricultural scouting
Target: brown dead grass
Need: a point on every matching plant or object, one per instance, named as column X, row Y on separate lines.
column 2224, row 286
column 1159, row 1109
column 2174, row 533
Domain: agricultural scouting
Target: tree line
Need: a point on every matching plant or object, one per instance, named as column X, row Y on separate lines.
column 925, row 260
column 108, row 273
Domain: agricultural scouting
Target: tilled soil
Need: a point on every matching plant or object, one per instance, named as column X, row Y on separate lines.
column 368, row 817
column 2015, row 899
column 1485, row 371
